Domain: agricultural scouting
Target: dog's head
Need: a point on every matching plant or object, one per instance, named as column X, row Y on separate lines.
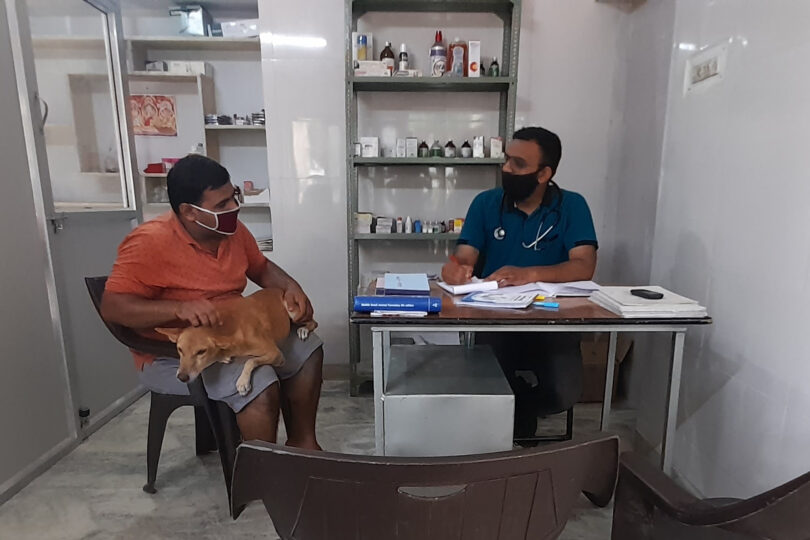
column 197, row 347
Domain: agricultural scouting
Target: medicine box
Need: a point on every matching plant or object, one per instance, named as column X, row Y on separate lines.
column 474, row 59
column 244, row 28
column 411, row 147
column 370, row 146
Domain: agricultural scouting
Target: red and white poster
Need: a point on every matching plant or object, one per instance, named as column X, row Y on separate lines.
column 153, row 115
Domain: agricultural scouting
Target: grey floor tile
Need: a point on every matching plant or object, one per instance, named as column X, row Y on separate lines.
column 95, row 491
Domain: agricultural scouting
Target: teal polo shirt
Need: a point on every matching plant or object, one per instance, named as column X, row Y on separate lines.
column 565, row 212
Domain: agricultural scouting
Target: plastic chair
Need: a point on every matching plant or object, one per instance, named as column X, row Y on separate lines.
column 512, row 495
column 649, row 505
column 214, row 422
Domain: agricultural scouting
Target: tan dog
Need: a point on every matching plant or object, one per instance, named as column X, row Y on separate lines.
column 252, row 326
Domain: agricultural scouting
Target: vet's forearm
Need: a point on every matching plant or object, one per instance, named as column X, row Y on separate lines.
column 573, row 270
column 135, row 312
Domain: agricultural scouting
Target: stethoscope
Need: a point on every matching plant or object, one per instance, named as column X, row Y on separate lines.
column 542, row 232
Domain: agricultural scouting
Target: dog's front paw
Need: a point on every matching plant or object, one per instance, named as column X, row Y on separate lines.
column 303, row 333
column 243, row 386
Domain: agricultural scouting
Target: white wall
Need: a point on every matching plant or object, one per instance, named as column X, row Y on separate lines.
column 34, row 409
column 303, row 94
column 571, row 81
column 731, row 230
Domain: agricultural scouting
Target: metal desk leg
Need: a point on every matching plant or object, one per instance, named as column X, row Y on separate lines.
column 611, row 363
column 468, row 339
column 672, row 402
column 377, row 361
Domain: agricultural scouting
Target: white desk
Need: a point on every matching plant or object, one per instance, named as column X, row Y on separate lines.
column 574, row 315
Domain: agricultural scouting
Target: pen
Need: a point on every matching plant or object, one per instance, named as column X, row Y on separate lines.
column 547, row 304
column 539, row 298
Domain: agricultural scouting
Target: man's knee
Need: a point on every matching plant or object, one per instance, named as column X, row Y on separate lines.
column 313, row 367
column 317, row 358
column 307, row 381
column 267, row 400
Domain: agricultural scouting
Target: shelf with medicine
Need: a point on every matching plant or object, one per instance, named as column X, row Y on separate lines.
column 469, row 104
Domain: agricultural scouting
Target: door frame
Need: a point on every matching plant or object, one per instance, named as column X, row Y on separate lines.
column 50, row 218
column 20, row 34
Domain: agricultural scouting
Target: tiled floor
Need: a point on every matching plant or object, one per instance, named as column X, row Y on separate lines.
column 95, row 492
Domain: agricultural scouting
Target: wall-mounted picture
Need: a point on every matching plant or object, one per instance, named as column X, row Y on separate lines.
column 153, row 115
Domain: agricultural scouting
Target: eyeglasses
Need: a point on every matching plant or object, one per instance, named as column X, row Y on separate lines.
column 516, row 163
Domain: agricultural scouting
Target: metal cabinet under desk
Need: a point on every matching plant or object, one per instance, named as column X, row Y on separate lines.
column 443, row 400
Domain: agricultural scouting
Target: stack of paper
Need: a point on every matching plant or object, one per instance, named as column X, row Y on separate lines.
column 476, row 285
column 619, row 300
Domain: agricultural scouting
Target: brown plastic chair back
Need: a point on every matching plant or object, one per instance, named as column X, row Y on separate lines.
column 127, row 336
column 506, row 496
column 650, row 506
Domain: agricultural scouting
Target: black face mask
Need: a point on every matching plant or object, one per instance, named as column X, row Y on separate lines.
column 518, row 187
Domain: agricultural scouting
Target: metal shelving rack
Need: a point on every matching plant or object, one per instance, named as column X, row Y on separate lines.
column 506, row 86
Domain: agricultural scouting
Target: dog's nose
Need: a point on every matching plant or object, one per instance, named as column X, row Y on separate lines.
column 182, row 377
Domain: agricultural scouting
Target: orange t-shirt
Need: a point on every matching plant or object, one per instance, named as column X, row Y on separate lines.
column 159, row 260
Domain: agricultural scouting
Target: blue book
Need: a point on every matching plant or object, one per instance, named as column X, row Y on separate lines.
column 431, row 304
column 406, row 284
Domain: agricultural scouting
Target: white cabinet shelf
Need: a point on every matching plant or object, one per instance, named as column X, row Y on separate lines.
column 206, row 43
column 162, row 76
column 217, row 127
column 67, row 41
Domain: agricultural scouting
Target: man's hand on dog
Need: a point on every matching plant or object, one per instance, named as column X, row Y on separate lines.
column 198, row 313
column 296, row 300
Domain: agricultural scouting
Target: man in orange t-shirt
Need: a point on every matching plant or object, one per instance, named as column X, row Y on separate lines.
column 171, row 271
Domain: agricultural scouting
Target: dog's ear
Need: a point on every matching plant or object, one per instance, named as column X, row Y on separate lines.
column 172, row 333
column 220, row 342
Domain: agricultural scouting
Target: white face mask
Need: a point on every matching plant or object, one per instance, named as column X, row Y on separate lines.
column 226, row 221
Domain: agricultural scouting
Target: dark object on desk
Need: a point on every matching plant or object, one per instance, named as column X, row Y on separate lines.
column 650, row 506
column 506, row 495
column 646, row 294
column 214, row 422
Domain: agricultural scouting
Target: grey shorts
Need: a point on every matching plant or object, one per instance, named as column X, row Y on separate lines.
column 220, row 379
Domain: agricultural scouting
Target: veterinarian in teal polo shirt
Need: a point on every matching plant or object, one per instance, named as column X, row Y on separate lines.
column 530, row 230
column 504, row 235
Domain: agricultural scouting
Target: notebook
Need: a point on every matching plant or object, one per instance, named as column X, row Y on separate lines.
column 572, row 288
column 406, row 285
column 476, row 285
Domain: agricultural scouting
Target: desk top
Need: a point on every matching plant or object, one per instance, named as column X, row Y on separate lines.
column 572, row 311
